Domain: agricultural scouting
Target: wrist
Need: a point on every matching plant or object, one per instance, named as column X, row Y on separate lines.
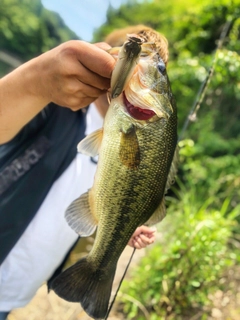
column 20, row 100
column 33, row 84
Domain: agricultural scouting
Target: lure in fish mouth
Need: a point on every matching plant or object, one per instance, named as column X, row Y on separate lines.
column 128, row 57
column 136, row 166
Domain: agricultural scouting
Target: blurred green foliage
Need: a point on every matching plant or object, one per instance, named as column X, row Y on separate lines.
column 176, row 277
column 27, row 29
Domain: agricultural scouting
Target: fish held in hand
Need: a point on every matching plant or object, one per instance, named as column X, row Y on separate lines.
column 137, row 164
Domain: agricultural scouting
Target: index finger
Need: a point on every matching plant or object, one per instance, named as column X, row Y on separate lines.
column 95, row 59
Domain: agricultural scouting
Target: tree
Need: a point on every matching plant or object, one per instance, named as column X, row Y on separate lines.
column 27, row 29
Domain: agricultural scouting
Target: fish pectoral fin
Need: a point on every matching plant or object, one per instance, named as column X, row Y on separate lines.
column 79, row 216
column 91, row 144
column 129, row 151
column 158, row 214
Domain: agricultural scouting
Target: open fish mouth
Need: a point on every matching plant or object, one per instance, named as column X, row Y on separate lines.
column 137, row 112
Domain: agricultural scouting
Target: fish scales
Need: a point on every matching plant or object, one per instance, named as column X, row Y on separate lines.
column 143, row 194
column 137, row 162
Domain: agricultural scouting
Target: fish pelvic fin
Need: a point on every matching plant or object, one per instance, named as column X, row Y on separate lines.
column 158, row 214
column 89, row 286
column 80, row 217
column 91, row 144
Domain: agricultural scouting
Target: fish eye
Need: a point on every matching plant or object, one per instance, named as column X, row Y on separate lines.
column 161, row 67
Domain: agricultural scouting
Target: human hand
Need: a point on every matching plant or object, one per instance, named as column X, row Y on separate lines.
column 74, row 74
column 142, row 237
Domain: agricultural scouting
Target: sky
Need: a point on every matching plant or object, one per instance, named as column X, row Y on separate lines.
column 82, row 16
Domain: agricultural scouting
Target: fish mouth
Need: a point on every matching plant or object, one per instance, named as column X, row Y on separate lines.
column 137, row 112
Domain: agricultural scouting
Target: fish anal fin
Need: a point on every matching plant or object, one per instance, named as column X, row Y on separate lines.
column 158, row 214
column 79, row 216
column 91, row 144
column 129, row 151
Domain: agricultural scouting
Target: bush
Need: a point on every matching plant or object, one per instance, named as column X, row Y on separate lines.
column 211, row 177
column 177, row 275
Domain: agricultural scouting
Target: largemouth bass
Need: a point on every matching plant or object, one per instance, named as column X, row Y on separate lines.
column 136, row 166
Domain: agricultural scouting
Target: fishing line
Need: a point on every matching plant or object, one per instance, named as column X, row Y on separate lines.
column 123, row 276
column 192, row 116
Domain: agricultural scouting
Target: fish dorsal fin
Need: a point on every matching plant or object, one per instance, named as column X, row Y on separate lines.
column 91, row 144
column 173, row 169
column 158, row 214
column 79, row 216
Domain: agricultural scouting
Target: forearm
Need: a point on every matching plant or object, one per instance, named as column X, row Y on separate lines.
column 19, row 99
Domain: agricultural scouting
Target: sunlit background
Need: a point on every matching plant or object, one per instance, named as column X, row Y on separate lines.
column 83, row 17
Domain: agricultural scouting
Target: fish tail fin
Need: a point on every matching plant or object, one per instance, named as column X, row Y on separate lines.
column 87, row 285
